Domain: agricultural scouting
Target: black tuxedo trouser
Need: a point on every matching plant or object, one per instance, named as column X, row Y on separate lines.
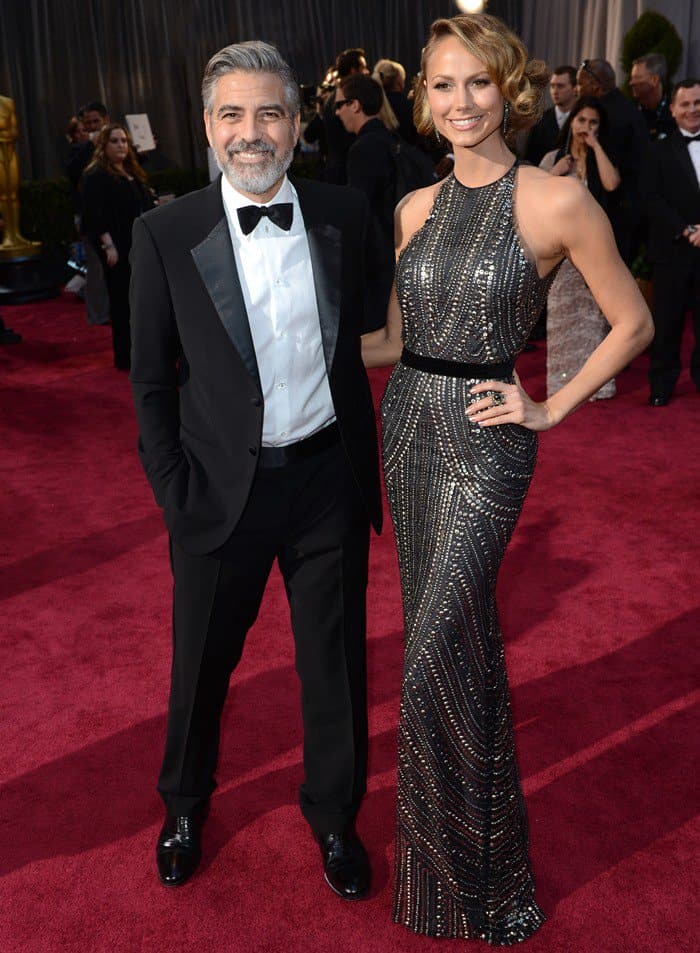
column 309, row 516
column 676, row 288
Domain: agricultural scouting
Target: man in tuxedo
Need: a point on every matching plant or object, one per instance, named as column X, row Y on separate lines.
column 670, row 185
column 629, row 139
column 544, row 135
column 371, row 168
column 257, row 434
column 352, row 62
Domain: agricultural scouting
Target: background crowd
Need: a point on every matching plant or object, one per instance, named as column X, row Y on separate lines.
column 638, row 156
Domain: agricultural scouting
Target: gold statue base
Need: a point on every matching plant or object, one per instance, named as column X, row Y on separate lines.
column 19, row 251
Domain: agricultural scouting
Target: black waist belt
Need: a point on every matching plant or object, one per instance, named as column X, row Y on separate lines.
column 302, row 450
column 434, row 365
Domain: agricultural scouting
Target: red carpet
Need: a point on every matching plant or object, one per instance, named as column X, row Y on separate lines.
column 599, row 606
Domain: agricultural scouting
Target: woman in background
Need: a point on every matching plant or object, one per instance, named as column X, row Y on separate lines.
column 392, row 77
column 575, row 323
column 115, row 193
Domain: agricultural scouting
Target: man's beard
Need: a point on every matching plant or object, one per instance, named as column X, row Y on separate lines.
column 260, row 177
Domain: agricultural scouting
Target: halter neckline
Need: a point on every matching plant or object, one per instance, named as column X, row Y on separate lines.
column 476, row 188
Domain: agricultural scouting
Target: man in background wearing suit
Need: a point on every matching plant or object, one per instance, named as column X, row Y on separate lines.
column 670, row 187
column 629, row 139
column 257, row 434
column 647, row 82
column 544, row 135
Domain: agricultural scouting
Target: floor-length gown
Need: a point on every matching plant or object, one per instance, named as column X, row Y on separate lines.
column 468, row 293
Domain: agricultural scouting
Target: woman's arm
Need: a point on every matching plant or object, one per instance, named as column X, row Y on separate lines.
column 609, row 176
column 578, row 225
column 383, row 347
column 562, row 167
column 109, row 248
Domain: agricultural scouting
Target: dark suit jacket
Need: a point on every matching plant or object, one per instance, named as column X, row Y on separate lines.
column 338, row 141
column 671, row 196
column 111, row 203
column 372, row 170
column 629, row 140
column 194, row 373
column 403, row 110
column 543, row 137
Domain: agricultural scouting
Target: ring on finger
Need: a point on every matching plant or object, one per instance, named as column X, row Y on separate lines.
column 498, row 399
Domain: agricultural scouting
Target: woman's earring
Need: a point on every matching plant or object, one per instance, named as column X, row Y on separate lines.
column 437, row 137
column 506, row 115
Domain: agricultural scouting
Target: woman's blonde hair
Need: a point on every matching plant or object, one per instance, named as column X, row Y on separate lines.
column 387, row 72
column 521, row 82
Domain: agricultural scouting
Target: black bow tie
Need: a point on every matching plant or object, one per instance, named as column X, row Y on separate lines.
column 281, row 214
column 689, row 139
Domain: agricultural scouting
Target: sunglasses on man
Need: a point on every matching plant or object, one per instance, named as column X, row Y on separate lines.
column 587, row 68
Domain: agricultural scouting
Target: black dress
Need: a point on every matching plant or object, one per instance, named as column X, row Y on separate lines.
column 468, row 294
column 111, row 203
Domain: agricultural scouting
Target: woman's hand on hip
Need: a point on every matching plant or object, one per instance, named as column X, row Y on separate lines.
column 508, row 404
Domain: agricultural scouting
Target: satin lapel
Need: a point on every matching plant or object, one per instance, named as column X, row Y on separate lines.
column 216, row 264
column 683, row 155
column 325, row 247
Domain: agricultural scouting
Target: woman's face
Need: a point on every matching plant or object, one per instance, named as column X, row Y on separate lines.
column 465, row 103
column 80, row 133
column 117, row 147
column 585, row 122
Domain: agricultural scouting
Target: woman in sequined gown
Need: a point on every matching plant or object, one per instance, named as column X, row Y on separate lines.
column 477, row 254
column 575, row 323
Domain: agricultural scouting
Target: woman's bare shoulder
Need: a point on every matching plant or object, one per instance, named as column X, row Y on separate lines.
column 412, row 211
column 558, row 194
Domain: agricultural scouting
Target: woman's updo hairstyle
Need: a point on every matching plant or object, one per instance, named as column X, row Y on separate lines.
column 522, row 83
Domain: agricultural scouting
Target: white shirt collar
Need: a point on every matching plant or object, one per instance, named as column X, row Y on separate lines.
column 688, row 135
column 561, row 116
column 233, row 200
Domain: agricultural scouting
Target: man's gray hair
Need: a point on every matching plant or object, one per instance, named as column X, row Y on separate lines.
column 253, row 56
column 655, row 63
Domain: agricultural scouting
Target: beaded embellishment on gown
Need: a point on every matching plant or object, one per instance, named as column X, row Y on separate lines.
column 467, row 293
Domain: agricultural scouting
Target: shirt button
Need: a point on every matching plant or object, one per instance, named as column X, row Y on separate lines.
column 281, row 386
column 283, row 434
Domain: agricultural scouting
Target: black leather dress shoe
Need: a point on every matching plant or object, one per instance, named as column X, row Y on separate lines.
column 658, row 400
column 345, row 864
column 179, row 848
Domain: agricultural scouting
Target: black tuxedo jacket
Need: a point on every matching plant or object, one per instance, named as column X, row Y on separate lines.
column 543, row 137
column 194, row 373
column 671, row 194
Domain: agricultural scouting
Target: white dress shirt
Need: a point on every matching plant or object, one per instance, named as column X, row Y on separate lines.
column 560, row 116
column 274, row 268
column 694, row 150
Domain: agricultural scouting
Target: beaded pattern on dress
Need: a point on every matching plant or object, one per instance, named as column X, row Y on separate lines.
column 467, row 293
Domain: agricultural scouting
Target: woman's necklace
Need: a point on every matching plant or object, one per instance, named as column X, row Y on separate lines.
column 580, row 161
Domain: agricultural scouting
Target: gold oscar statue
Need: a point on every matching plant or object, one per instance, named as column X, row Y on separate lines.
column 13, row 244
